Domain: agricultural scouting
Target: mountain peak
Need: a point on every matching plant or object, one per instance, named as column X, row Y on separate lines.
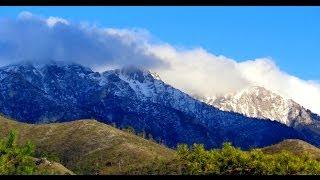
column 135, row 73
column 155, row 75
column 40, row 64
column 259, row 89
column 256, row 101
column 67, row 66
column 18, row 66
column 133, row 70
column 252, row 91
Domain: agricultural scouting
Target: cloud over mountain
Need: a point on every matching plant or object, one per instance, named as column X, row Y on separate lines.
column 31, row 37
column 195, row 71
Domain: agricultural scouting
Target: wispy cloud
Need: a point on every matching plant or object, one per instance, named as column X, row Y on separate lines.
column 194, row 71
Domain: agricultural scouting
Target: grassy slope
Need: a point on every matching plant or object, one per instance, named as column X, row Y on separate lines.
column 45, row 167
column 295, row 146
column 90, row 147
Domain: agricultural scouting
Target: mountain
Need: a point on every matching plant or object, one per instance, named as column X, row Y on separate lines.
column 295, row 146
column 261, row 103
column 130, row 96
column 88, row 146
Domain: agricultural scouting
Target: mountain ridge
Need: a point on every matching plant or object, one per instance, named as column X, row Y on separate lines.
column 127, row 97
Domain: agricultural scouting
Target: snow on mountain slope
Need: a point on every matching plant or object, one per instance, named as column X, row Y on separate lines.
column 138, row 91
column 262, row 103
column 58, row 92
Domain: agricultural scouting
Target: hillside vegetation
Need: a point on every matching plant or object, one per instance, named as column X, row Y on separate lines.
column 18, row 159
column 295, row 146
column 233, row 161
column 90, row 147
column 45, row 167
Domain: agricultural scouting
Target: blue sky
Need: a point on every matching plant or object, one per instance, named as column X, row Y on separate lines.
column 290, row 35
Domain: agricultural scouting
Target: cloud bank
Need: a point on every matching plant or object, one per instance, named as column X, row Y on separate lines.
column 198, row 72
column 31, row 37
column 194, row 71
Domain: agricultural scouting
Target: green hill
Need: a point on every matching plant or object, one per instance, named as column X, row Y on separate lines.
column 91, row 147
column 296, row 146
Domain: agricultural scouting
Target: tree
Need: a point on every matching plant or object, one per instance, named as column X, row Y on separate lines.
column 230, row 160
column 14, row 159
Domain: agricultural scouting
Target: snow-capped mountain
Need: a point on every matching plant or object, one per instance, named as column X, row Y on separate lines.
column 261, row 103
column 127, row 97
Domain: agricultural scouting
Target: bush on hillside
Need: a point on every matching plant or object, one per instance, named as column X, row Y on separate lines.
column 233, row 161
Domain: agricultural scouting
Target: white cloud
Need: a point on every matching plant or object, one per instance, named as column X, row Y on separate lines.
column 198, row 72
column 31, row 37
column 129, row 36
column 263, row 72
column 194, row 71
column 25, row 15
column 51, row 21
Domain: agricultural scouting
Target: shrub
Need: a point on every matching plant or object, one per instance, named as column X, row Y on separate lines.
column 14, row 159
column 129, row 129
column 233, row 161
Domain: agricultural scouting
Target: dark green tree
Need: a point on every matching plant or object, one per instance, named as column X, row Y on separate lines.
column 14, row 159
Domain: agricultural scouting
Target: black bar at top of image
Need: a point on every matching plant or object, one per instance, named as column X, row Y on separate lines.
column 160, row 2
